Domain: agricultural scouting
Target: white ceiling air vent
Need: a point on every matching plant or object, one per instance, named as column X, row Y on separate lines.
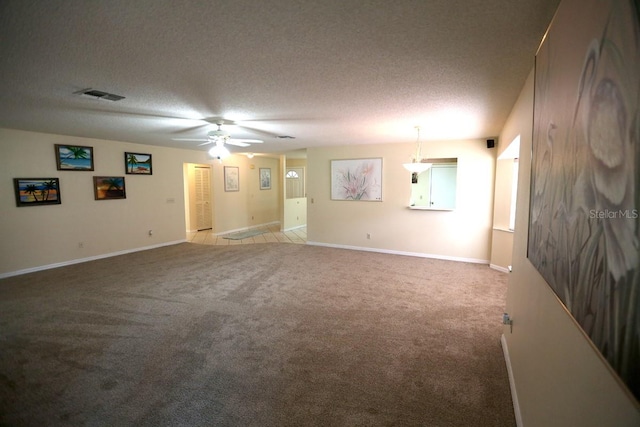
column 98, row 94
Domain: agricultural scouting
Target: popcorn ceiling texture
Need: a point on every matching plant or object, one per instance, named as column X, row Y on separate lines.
column 328, row 72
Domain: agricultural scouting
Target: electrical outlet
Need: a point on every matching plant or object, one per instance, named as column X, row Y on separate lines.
column 80, row 245
column 368, row 235
column 150, row 232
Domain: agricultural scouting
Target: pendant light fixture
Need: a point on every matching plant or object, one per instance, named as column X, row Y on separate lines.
column 417, row 165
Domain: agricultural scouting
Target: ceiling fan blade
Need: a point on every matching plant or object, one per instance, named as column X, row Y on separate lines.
column 237, row 143
column 189, row 139
column 250, row 141
column 189, row 129
column 205, row 143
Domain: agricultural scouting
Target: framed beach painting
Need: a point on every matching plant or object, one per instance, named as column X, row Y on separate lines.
column 37, row 191
column 265, row 178
column 109, row 187
column 231, row 178
column 74, row 158
column 356, row 179
column 137, row 164
column 584, row 216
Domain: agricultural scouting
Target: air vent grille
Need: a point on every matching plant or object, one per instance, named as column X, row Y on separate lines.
column 98, row 94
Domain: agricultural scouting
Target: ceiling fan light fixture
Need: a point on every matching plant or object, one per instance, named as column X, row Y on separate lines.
column 219, row 152
column 216, row 134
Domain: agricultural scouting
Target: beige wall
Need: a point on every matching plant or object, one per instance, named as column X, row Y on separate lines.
column 462, row 234
column 560, row 379
column 249, row 207
column 502, row 238
column 37, row 236
column 501, row 249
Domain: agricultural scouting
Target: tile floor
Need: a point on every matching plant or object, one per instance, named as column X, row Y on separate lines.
column 272, row 233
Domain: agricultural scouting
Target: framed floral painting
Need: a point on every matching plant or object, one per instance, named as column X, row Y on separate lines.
column 265, row 178
column 231, row 178
column 356, row 179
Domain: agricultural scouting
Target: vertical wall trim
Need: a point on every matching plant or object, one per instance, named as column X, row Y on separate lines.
column 512, row 383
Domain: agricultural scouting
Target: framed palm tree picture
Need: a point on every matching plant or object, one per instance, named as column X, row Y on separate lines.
column 37, row 191
column 74, row 158
column 137, row 164
column 109, row 187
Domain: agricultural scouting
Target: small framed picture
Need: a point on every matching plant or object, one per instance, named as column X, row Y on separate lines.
column 74, row 158
column 37, row 191
column 109, row 187
column 137, row 164
column 265, row 178
column 231, row 178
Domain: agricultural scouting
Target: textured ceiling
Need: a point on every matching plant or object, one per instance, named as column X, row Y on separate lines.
column 328, row 72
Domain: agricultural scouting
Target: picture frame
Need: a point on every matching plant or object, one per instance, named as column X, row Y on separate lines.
column 265, row 178
column 356, row 179
column 231, row 178
column 138, row 163
column 37, row 191
column 74, row 157
column 109, row 187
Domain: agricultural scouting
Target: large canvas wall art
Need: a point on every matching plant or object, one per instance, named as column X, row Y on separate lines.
column 584, row 226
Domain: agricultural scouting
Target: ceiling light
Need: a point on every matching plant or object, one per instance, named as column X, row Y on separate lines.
column 214, row 134
column 417, row 164
column 250, row 155
column 219, row 151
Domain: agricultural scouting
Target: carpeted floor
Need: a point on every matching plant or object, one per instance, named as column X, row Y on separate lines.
column 254, row 335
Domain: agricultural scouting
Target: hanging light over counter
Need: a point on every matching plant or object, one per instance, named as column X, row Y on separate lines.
column 417, row 164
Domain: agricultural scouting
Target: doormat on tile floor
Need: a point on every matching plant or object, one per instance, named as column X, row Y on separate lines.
column 243, row 234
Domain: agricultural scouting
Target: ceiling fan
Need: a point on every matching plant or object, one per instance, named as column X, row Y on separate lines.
column 220, row 137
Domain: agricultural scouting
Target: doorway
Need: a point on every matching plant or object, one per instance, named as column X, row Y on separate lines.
column 294, row 182
column 198, row 197
column 202, row 181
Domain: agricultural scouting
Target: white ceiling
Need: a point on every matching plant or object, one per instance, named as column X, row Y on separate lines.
column 328, row 72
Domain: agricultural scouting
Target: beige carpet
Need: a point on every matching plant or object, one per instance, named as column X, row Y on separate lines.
column 254, row 335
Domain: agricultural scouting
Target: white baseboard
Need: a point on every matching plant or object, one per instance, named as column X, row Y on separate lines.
column 392, row 252
column 499, row 268
column 91, row 258
column 512, row 383
column 295, row 228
